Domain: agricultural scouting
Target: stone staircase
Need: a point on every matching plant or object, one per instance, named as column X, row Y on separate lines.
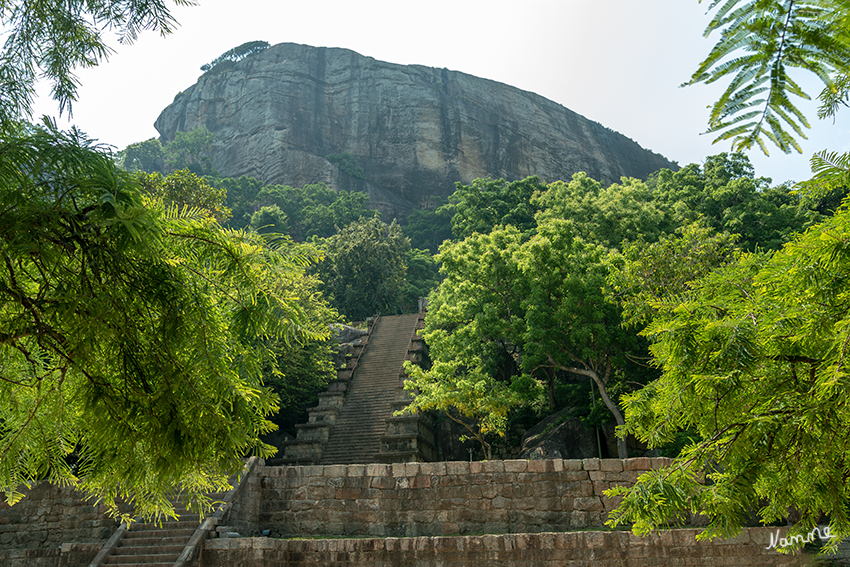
column 362, row 422
column 148, row 543
column 173, row 543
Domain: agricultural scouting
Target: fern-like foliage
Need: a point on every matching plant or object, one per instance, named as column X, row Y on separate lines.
column 830, row 170
column 761, row 41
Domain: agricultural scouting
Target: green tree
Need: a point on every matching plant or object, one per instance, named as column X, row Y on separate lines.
column 761, row 43
column 143, row 156
column 752, row 353
column 188, row 150
column 315, row 210
column 347, row 164
column 726, row 194
column 474, row 400
column 648, row 277
column 131, row 332
column 515, row 309
column 185, row 189
column 753, row 359
column 300, row 369
column 364, row 269
column 488, row 203
column 50, row 39
column 241, row 196
column 571, row 320
column 236, row 54
column 625, row 211
column 269, row 220
column 473, row 328
column 429, row 226
column 423, row 276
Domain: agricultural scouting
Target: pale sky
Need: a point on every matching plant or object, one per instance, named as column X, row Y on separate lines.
column 617, row 62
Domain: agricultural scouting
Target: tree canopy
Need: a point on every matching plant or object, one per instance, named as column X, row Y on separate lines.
column 185, row 189
column 752, row 349
column 236, row 54
column 487, row 203
column 364, row 268
column 131, row 331
column 753, row 358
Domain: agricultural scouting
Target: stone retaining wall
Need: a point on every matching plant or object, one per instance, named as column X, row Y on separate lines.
column 434, row 499
column 49, row 516
column 52, row 527
column 532, row 508
column 574, row 549
column 68, row 555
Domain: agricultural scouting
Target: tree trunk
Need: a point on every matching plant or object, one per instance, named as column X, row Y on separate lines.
column 622, row 450
column 550, row 373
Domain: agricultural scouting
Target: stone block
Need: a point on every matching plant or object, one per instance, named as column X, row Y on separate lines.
column 611, row 503
column 638, row 464
column 516, row 466
column 545, row 490
column 457, row 468
column 597, row 476
column 348, row 494
column 376, row 470
column 431, row 469
column 579, row 519
column 613, row 465
column 476, row 467
column 501, row 503
column 494, row 466
column 684, row 537
column 310, row 470
column 523, row 490
column 591, row 504
column 625, row 477
column 411, row 469
column 661, row 462
column 383, row 482
column 355, row 470
column 547, row 504
column 573, row 476
column 591, row 464
column 540, row 466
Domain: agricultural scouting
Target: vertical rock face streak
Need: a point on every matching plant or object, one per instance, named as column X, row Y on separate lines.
column 412, row 130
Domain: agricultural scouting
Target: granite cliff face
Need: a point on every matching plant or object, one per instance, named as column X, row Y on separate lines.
column 413, row 131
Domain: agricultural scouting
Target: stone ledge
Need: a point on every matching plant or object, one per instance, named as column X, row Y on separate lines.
column 567, row 549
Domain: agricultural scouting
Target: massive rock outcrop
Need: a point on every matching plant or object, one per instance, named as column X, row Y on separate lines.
column 412, row 131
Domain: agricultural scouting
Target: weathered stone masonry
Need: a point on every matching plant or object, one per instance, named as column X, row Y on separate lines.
column 533, row 513
column 431, row 499
column 51, row 527
column 571, row 549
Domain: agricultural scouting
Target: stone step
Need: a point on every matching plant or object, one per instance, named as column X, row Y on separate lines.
column 143, row 559
column 174, row 533
column 166, row 541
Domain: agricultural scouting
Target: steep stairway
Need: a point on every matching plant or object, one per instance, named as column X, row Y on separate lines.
column 159, row 545
column 356, row 436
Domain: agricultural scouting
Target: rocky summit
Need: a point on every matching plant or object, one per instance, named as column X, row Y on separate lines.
column 295, row 115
